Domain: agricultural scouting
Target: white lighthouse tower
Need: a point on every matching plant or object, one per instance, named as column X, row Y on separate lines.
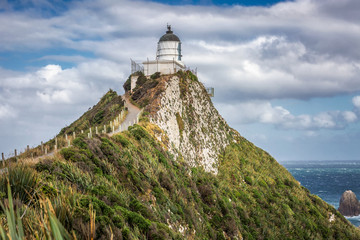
column 168, row 55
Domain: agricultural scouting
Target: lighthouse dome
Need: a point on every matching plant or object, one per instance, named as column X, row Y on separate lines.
column 169, row 36
column 169, row 47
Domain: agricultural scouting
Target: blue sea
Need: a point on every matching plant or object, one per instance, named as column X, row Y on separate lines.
column 328, row 179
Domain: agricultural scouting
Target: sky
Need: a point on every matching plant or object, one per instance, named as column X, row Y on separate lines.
column 285, row 73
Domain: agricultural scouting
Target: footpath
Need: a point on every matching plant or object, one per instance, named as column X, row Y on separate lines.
column 131, row 118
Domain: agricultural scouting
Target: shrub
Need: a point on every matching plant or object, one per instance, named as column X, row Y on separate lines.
column 23, row 181
column 99, row 116
column 138, row 207
column 121, row 139
column 80, row 142
column 141, row 80
column 135, row 219
column 139, row 132
column 206, row 193
column 127, row 84
column 165, row 182
column 155, row 75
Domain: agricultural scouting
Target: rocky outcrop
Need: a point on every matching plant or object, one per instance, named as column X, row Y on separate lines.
column 180, row 105
column 195, row 128
column 349, row 205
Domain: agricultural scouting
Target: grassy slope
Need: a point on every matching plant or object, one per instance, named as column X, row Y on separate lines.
column 109, row 106
column 139, row 190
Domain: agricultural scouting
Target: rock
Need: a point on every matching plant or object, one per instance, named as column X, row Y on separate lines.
column 349, row 205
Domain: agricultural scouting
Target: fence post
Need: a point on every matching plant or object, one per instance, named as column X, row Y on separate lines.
column 3, row 159
column 42, row 147
column 90, row 133
column 113, row 128
column 82, row 131
column 74, row 135
column 68, row 142
column 104, row 128
column 56, row 143
column 27, row 148
column 46, row 150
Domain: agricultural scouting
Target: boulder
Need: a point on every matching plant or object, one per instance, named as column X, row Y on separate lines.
column 349, row 205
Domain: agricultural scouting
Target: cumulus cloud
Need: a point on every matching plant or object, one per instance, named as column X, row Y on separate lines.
column 264, row 112
column 356, row 101
column 299, row 49
column 37, row 104
column 289, row 50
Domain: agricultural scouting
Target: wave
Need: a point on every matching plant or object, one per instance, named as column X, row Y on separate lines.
column 354, row 218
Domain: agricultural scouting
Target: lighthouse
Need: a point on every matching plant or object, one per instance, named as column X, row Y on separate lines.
column 168, row 55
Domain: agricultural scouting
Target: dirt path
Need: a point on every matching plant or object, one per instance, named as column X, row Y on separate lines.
column 131, row 117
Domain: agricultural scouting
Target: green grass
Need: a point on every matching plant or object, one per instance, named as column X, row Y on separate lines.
column 129, row 186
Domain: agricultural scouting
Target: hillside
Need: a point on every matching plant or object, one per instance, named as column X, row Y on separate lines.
column 180, row 173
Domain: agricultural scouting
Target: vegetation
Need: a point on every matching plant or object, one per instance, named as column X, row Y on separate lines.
column 138, row 190
column 129, row 186
column 109, row 106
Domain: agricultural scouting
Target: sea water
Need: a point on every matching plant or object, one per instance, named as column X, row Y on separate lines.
column 328, row 179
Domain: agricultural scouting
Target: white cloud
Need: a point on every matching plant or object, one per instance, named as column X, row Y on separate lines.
column 7, row 112
column 264, row 112
column 290, row 50
column 356, row 101
column 349, row 116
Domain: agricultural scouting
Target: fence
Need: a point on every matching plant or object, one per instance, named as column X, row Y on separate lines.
column 136, row 67
column 53, row 145
column 194, row 71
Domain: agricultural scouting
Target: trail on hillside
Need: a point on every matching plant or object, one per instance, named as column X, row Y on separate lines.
column 131, row 116
column 130, row 119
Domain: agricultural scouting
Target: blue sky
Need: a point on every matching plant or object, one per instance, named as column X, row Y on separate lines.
column 286, row 73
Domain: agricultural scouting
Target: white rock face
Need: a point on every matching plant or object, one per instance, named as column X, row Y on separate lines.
column 195, row 129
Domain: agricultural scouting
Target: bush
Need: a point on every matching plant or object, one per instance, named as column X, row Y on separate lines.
column 80, row 142
column 155, row 75
column 23, row 182
column 121, row 139
column 127, row 84
column 135, row 219
column 206, row 193
column 141, row 81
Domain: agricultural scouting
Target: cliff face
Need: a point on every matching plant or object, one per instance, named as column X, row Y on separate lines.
column 195, row 129
column 181, row 107
column 349, row 204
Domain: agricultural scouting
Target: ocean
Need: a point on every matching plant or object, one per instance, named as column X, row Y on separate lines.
column 328, row 179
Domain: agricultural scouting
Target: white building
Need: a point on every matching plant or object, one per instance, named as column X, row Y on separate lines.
column 168, row 56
